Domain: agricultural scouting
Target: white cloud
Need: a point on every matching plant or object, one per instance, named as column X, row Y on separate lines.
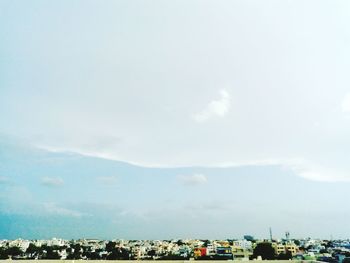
column 215, row 108
column 20, row 200
column 346, row 103
column 147, row 111
column 315, row 171
column 195, row 179
column 53, row 208
column 52, row 181
column 315, row 176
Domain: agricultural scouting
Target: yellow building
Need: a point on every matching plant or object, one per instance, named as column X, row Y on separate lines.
column 292, row 248
column 224, row 243
column 280, row 248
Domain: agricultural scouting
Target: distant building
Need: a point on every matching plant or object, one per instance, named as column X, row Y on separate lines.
column 224, row 252
column 200, row 252
column 242, row 244
column 248, row 237
column 290, row 247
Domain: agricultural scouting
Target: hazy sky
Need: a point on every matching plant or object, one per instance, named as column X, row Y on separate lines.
column 157, row 119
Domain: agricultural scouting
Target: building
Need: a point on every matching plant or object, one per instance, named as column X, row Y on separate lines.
column 224, row 252
column 200, row 252
column 289, row 247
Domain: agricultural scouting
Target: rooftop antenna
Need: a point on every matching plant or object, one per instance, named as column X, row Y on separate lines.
column 287, row 235
column 270, row 234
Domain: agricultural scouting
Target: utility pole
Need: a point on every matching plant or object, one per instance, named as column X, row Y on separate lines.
column 270, row 234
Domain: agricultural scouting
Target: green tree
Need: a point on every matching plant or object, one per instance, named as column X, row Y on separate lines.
column 265, row 250
column 180, row 242
column 93, row 255
column 118, row 254
column 52, row 254
column 285, row 256
column 74, row 251
column 3, row 253
column 110, row 246
column 14, row 252
column 206, row 243
column 32, row 250
column 151, row 253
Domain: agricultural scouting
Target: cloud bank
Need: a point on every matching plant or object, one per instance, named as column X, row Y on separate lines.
column 158, row 92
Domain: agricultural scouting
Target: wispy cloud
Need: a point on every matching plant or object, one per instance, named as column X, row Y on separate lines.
column 316, row 172
column 215, row 108
column 194, row 179
column 213, row 206
column 108, row 180
column 53, row 208
column 52, row 181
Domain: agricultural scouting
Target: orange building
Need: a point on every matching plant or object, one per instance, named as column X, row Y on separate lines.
column 200, row 252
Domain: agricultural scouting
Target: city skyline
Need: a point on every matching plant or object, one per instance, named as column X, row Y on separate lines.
column 162, row 119
column 176, row 249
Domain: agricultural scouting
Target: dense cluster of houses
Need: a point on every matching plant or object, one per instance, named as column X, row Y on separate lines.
column 244, row 249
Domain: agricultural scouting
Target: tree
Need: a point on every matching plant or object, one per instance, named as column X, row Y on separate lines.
column 52, row 254
column 32, row 250
column 3, row 253
column 77, row 248
column 93, row 255
column 180, row 242
column 110, row 246
column 14, row 252
column 285, row 256
column 265, row 250
column 74, row 251
column 118, row 254
column 206, row 243
column 151, row 253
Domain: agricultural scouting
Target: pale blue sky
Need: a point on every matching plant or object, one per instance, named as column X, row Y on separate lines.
column 123, row 117
column 47, row 195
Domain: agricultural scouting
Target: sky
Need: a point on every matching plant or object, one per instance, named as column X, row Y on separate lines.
column 174, row 119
